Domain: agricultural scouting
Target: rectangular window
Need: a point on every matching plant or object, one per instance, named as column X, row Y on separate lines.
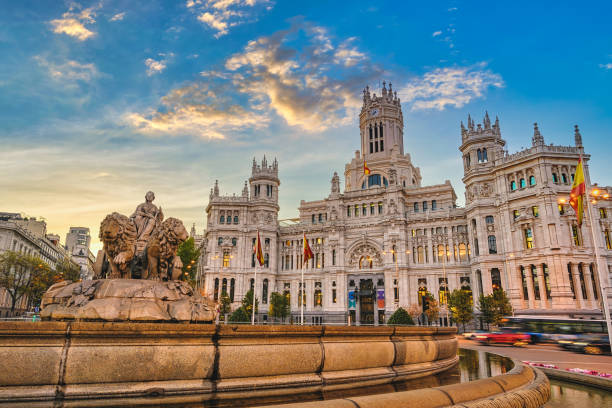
column 535, row 211
column 528, row 238
column 372, row 209
column 603, row 213
column 571, row 280
column 320, row 218
column 333, row 257
column 416, row 207
column 356, row 210
column 561, row 209
column 516, row 214
column 524, row 282
column 226, row 259
column 607, row 239
column 334, row 298
column 380, row 208
column 424, row 205
column 364, row 209
column 348, row 210
column 314, row 219
column 434, row 205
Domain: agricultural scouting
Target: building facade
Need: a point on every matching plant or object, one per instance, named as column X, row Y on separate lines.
column 27, row 235
column 386, row 239
column 78, row 241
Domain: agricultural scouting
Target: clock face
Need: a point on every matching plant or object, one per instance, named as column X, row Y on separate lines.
column 374, row 112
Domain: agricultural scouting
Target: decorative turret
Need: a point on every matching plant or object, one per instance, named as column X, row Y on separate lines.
column 245, row 190
column 480, row 143
column 216, row 188
column 335, row 183
column 381, row 123
column 264, row 180
column 537, row 139
column 480, row 130
column 577, row 137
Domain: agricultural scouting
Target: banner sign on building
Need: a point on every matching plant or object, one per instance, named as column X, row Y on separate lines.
column 351, row 299
column 380, row 298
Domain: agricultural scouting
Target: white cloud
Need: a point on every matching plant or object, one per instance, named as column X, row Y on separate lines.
column 436, row 33
column 449, row 87
column 74, row 20
column 118, row 17
column 221, row 15
column 606, row 66
column 312, row 87
column 453, row 9
column 69, row 70
column 154, row 67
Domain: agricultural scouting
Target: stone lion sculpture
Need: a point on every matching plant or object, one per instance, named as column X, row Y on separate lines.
column 162, row 261
column 118, row 235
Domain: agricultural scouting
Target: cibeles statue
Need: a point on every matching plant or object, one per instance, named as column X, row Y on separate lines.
column 143, row 245
column 136, row 276
column 146, row 217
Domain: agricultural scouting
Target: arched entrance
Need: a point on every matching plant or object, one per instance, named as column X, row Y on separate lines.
column 366, row 301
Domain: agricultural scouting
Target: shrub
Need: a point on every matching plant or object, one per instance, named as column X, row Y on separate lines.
column 239, row 315
column 401, row 317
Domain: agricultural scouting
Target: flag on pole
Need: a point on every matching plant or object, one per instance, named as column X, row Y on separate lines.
column 577, row 193
column 307, row 251
column 258, row 251
column 366, row 169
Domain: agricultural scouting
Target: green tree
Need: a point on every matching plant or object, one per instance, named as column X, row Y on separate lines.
column 24, row 275
column 279, row 306
column 433, row 308
column 189, row 255
column 68, row 270
column 494, row 307
column 240, row 316
column 247, row 303
column 461, row 308
column 401, row 317
column 225, row 304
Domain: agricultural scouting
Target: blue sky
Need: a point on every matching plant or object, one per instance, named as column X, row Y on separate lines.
column 102, row 101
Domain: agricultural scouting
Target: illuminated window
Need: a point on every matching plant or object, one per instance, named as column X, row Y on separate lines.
column 535, row 211
column 528, row 238
column 561, row 209
column 536, row 283
column 524, row 283
column 420, row 255
column 443, row 292
column 496, row 282
column 372, row 208
column 603, row 213
column 226, row 258
column 364, row 209
column 515, row 214
column 607, row 238
column 216, row 294
column 380, row 207
column 546, row 280
column 462, row 252
column 356, row 210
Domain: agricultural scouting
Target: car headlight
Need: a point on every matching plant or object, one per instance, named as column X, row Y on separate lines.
column 481, row 337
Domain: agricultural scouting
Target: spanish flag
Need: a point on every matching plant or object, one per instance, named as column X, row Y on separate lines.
column 258, row 251
column 366, row 170
column 577, row 193
column 307, row 251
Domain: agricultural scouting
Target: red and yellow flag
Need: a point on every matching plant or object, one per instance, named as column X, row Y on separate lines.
column 366, row 170
column 577, row 193
column 258, row 251
column 307, row 251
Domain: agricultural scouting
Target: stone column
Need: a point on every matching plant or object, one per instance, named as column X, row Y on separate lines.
column 530, row 290
column 543, row 298
column 591, row 304
column 577, row 286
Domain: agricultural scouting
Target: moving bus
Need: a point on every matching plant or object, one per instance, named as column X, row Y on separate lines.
column 550, row 329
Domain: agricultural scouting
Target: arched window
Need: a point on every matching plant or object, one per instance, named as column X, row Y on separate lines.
column 512, row 185
column 462, row 252
column 219, row 241
column 532, row 181
column 252, row 283
column 365, row 262
column 216, row 293
column 348, row 210
column 371, row 136
column 479, row 154
column 224, row 287
column 522, row 183
column 422, row 292
column 234, row 241
column 536, row 282
column 416, row 207
column 222, row 219
column 528, row 238
column 555, row 178
column 489, row 219
column 232, row 287
column 484, row 155
column 318, row 297
column 226, row 258
column 380, row 207
column 492, row 244
column 420, row 255
column 235, row 219
column 266, row 260
column 564, row 178
column 374, row 180
column 264, row 292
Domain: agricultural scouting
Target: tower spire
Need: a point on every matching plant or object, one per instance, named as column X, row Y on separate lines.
column 577, row 136
column 537, row 139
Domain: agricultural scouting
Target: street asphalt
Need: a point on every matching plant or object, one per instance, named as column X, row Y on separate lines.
column 545, row 353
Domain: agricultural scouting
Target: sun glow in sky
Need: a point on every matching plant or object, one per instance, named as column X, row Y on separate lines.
column 102, row 101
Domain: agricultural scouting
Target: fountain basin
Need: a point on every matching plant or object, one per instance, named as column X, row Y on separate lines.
column 104, row 362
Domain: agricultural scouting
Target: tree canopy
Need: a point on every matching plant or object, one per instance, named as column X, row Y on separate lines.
column 279, row 306
column 25, row 275
column 189, row 255
column 494, row 306
column 400, row 317
column 461, row 308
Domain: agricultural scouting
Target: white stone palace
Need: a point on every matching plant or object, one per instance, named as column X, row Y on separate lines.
column 387, row 239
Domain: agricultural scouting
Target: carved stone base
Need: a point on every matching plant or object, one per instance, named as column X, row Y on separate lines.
column 126, row 300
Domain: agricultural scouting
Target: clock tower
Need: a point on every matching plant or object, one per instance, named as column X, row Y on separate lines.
column 381, row 124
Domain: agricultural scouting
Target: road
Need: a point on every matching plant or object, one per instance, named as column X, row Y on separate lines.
column 547, row 354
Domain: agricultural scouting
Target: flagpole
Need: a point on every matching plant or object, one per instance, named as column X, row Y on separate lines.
column 303, row 288
column 254, row 290
column 600, row 271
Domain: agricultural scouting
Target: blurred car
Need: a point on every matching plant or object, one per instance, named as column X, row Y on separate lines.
column 470, row 335
column 588, row 344
column 513, row 338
